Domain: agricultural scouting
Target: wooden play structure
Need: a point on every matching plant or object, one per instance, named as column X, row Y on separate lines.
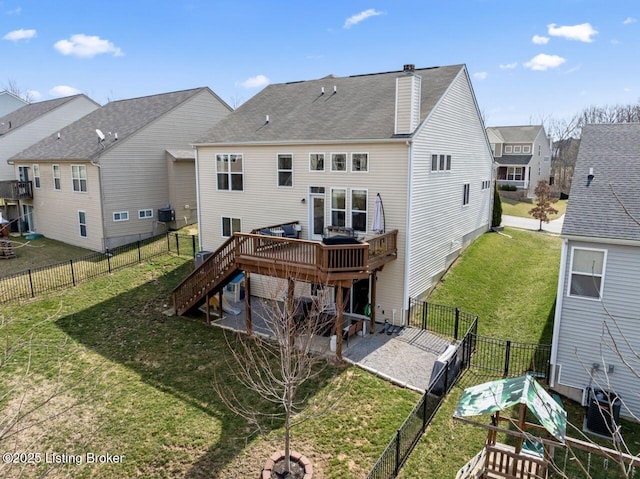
column 6, row 249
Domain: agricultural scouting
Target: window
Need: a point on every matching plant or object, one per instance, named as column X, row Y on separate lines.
column 36, row 176
column 508, row 149
column 587, row 272
column 285, row 170
column 338, row 207
column 486, row 184
column 465, row 194
column 338, row 162
column 316, row 161
column 82, row 223
column 440, row 162
column 121, row 216
column 515, row 173
column 56, row 177
column 359, row 210
column 517, row 149
column 145, row 214
column 79, row 178
column 526, row 149
column 229, row 169
column 360, row 162
column 230, row 226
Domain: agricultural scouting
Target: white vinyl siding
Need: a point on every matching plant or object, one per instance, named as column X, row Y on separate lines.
column 121, row 216
column 285, row 170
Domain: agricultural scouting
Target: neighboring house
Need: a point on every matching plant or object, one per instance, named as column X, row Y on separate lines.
column 523, row 156
column 104, row 179
column 22, row 128
column 598, row 305
column 10, row 102
column 319, row 153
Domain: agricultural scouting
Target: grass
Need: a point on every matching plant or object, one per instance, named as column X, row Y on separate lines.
column 38, row 252
column 518, row 208
column 129, row 381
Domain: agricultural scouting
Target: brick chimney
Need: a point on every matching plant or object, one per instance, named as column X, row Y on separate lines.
column 408, row 97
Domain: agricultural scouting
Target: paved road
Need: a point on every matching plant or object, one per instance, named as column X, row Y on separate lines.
column 554, row 226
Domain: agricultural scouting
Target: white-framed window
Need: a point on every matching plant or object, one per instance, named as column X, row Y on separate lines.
column 23, row 173
column 515, row 173
column 316, row 161
column 517, row 149
column 508, row 149
column 79, row 178
column 36, row 176
column 142, row 214
column 56, row 177
column 359, row 216
column 120, row 216
column 587, row 272
column 486, row 184
column 230, row 226
column 230, row 172
column 360, row 162
column 285, row 170
column 338, row 207
column 82, row 223
column 338, row 162
column 440, row 162
column 465, row 193
column 526, row 149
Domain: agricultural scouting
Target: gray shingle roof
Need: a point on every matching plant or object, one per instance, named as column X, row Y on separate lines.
column 30, row 112
column 363, row 107
column 78, row 141
column 513, row 159
column 613, row 151
column 516, row 134
column 182, row 154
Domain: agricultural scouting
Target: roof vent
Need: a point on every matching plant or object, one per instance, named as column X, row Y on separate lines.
column 409, row 67
column 266, row 120
column 335, row 89
column 322, row 91
column 590, row 177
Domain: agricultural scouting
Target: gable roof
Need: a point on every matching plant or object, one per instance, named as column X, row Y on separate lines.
column 32, row 111
column 516, row 134
column 613, row 151
column 362, row 108
column 79, row 141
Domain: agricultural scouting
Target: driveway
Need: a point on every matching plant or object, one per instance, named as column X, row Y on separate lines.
column 554, row 226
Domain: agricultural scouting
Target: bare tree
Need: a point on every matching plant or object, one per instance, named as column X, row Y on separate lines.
column 12, row 87
column 543, row 207
column 277, row 361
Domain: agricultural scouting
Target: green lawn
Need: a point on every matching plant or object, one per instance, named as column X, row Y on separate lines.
column 519, row 208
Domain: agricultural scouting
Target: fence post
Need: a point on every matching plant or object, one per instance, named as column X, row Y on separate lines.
column 396, row 469
column 33, row 294
column 73, row 276
column 457, row 324
column 177, row 244
column 193, row 245
column 108, row 260
column 168, row 243
column 507, row 357
column 139, row 253
column 425, row 310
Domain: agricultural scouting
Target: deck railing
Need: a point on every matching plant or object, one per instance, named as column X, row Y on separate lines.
column 15, row 190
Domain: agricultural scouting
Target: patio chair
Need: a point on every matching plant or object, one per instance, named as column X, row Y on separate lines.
column 289, row 231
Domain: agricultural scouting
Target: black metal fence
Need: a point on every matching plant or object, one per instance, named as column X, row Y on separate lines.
column 32, row 282
column 405, row 439
column 444, row 320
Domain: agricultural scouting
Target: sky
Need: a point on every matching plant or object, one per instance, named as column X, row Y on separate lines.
column 529, row 61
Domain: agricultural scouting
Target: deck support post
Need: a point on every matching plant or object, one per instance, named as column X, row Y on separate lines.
column 207, row 307
column 339, row 308
column 248, row 324
column 372, row 304
column 220, row 297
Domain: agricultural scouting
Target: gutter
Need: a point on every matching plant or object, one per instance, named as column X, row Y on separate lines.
column 407, row 230
column 238, row 144
column 198, row 204
column 558, row 313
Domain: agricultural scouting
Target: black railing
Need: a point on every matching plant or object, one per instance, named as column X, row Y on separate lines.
column 406, row 438
column 36, row 281
column 16, row 190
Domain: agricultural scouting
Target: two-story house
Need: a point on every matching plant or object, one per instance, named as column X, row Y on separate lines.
column 523, row 155
column 22, row 128
column 596, row 340
column 328, row 156
column 103, row 181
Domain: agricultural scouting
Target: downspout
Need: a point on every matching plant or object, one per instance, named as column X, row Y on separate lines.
column 407, row 233
column 198, row 201
column 102, row 215
column 558, row 313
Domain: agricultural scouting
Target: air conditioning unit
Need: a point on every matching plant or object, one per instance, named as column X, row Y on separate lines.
column 201, row 257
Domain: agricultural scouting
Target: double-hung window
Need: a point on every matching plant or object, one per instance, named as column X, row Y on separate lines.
column 79, row 178
column 515, row 173
column 230, row 226
column 285, row 170
column 360, row 162
column 36, row 176
column 338, row 162
column 230, row 172
column 359, row 210
column 338, row 207
column 316, row 161
column 56, row 177
column 82, row 223
column 587, row 272
column 440, row 162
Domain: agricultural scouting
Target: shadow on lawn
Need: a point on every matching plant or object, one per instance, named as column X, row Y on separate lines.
column 176, row 355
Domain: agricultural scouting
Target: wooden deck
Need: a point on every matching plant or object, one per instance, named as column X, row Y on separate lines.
column 303, row 260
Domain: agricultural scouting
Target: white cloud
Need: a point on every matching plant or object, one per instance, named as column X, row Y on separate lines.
column 15, row 11
column 543, row 62
column 480, row 75
column 21, row 34
column 86, row 46
column 540, row 40
column 63, row 90
column 359, row 17
column 629, row 21
column 508, row 66
column 582, row 32
column 255, row 82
